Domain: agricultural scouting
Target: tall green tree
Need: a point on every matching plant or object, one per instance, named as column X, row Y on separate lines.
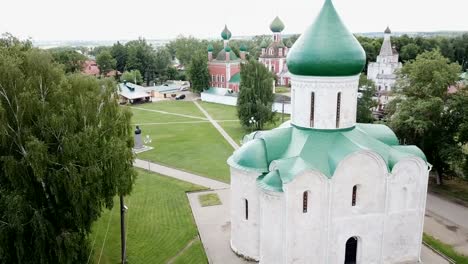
column 255, row 96
column 198, row 73
column 132, row 76
column 141, row 56
column 119, row 53
column 71, row 60
column 106, row 62
column 365, row 100
column 183, row 48
column 65, row 152
column 418, row 118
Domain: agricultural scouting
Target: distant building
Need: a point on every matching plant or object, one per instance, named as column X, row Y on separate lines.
column 90, row 68
column 382, row 72
column 225, row 67
column 273, row 56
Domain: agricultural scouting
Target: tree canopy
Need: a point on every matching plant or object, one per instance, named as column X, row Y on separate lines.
column 419, row 113
column 365, row 100
column 198, row 73
column 106, row 62
column 255, row 95
column 71, row 60
column 65, row 152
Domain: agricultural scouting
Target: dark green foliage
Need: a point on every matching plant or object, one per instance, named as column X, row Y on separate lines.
column 365, row 101
column 419, row 112
column 255, row 95
column 119, row 53
column 105, row 61
column 71, row 60
column 65, row 152
column 198, row 73
column 132, row 76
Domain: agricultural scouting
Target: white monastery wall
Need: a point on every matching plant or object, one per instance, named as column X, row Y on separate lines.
column 245, row 232
column 326, row 91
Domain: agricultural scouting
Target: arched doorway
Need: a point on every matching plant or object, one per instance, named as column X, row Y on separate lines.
column 351, row 251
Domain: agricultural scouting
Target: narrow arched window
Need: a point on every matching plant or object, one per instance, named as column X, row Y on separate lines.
column 246, row 209
column 312, row 109
column 305, row 201
column 338, row 109
column 354, row 197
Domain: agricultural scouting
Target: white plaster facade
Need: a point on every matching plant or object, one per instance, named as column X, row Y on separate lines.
column 383, row 71
column 387, row 218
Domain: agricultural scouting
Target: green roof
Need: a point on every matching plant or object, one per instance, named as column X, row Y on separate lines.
column 222, row 55
column 292, row 150
column 277, row 25
column 227, row 49
column 326, row 48
column 243, row 47
column 264, row 44
column 226, row 34
column 210, row 48
column 235, row 78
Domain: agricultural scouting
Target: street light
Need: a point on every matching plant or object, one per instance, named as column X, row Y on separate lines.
column 252, row 123
column 123, row 208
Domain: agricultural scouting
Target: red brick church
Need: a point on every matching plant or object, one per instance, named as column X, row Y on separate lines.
column 273, row 56
column 225, row 67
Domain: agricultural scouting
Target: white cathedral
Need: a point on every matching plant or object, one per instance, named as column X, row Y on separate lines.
column 383, row 71
column 321, row 188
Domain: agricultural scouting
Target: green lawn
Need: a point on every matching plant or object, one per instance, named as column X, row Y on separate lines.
column 234, row 129
column 159, row 224
column 197, row 148
column 180, row 107
column 143, row 116
column 209, row 199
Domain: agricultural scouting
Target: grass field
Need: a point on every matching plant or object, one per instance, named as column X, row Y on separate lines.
column 234, row 129
column 195, row 146
column 159, row 225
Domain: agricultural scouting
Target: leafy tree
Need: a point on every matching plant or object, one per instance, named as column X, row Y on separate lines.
column 71, row 60
column 141, row 57
column 162, row 61
column 365, row 101
column 65, row 152
column 198, row 73
column 409, row 52
column 183, row 48
column 131, row 76
column 119, row 53
column 105, row 61
column 172, row 73
column 418, row 117
column 256, row 95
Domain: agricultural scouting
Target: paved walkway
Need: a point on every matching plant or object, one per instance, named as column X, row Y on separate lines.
column 180, row 175
column 218, row 127
column 447, row 222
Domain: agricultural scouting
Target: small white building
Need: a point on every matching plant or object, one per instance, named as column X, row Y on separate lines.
column 383, row 71
column 323, row 189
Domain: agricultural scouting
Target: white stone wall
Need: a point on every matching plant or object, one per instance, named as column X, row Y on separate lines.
column 326, row 90
column 245, row 232
column 407, row 191
column 272, row 229
column 306, row 233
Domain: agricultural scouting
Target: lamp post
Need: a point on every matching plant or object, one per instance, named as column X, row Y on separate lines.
column 123, row 208
column 252, row 123
column 148, row 140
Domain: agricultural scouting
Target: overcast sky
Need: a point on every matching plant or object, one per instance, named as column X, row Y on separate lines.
column 162, row 19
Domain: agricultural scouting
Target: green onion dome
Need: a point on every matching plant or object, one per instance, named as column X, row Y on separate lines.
column 226, row 34
column 326, row 48
column 387, row 30
column 264, row 44
column 243, row 47
column 227, row 49
column 210, row 48
column 277, row 25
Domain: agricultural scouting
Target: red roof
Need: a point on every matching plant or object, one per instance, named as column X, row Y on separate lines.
column 90, row 68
